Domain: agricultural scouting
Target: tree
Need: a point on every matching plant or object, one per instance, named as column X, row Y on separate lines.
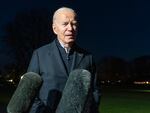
column 113, row 69
column 140, row 68
column 28, row 31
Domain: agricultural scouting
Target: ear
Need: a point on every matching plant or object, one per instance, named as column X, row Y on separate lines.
column 54, row 28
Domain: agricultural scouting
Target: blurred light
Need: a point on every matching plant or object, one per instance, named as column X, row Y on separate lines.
column 119, row 81
column 141, row 82
column 11, row 80
column 102, row 82
column 147, row 82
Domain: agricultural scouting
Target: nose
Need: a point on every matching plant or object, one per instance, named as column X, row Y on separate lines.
column 70, row 27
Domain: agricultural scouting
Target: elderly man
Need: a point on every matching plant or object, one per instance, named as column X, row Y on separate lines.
column 56, row 60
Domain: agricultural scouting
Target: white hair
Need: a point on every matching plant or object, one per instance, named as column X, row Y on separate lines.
column 61, row 10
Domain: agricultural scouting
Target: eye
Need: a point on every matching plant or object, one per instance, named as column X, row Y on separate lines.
column 65, row 23
column 75, row 23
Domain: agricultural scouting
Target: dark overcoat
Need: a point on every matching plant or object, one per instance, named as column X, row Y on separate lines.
column 47, row 62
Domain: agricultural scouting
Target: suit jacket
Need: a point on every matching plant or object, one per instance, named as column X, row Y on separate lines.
column 47, row 62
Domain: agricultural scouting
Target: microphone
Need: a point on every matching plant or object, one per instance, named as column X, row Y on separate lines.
column 24, row 93
column 77, row 87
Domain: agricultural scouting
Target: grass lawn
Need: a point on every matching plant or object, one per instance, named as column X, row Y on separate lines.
column 113, row 100
column 125, row 100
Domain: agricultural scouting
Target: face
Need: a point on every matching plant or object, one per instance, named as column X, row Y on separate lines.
column 65, row 27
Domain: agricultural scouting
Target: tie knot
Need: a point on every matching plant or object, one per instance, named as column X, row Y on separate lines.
column 67, row 49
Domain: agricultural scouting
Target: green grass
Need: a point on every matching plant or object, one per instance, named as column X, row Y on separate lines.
column 117, row 100
column 113, row 100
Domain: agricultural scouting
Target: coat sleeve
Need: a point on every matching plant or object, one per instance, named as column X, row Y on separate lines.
column 93, row 100
column 97, row 91
column 37, row 106
column 34, row 63
column 96, row 86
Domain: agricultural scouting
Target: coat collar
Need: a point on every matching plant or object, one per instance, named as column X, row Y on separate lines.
column 77, row 56
column 55, row 55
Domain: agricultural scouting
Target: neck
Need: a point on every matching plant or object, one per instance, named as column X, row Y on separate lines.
column 68, row 45
column 64, row 45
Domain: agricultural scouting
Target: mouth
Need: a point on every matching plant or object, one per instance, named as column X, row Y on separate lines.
column 70, row 35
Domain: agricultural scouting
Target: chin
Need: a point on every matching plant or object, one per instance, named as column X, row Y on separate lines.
column 71, row 40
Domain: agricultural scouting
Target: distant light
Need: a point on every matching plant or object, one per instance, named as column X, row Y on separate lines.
column 141, row 82
column 119, row 81
column 11, row 80
column 102, row 82
column 147, row 82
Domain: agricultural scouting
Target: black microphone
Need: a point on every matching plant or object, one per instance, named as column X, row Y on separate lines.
column 75, row 93
column 25, row 93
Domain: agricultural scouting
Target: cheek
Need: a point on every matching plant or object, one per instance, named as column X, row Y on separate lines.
column 62, row 30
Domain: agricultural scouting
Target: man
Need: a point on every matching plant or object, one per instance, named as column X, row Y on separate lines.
column 56, row 60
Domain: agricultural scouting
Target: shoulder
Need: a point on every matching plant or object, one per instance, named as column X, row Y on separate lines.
column 44, row 48
column 82, row 50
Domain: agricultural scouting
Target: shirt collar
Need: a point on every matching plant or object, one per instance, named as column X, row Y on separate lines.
column 67, row 49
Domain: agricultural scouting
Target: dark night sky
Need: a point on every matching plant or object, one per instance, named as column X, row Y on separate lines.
column 118, row 28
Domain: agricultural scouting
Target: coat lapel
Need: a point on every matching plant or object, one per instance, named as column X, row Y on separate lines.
column 77, row 58
column 55, row 55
